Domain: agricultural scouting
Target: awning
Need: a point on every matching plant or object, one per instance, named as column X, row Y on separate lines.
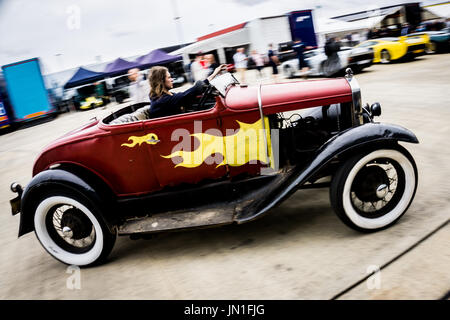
column 83, row 76
column 368, row 14
column 326, row 26
column 156, row 57
column 119, row 67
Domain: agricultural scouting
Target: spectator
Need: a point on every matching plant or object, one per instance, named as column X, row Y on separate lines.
column 187, row 70
column 138, row 88
column 299, row 47
column 273, row 62
column 240, row 63
column 332, row 64
column 355, row 39
column 211, row 63
column 405, row 29
column 372, row 34
column 258, row 59
column 197, row 70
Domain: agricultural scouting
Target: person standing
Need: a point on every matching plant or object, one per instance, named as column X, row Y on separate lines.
column 138, row 88
column 240, row 63
column 258, row 59
column 355, row 39
column 332, row 64
column 273, row 62
column 197, row 70
column 299, row 47
column 405, row 29
column 211, row 63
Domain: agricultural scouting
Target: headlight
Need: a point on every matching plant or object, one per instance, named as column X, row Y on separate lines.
column 375, row 109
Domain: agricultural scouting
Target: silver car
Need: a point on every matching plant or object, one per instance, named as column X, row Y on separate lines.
column 319, row 65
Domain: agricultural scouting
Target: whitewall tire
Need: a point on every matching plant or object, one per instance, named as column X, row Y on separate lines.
column 370, row 192
column 69, row 230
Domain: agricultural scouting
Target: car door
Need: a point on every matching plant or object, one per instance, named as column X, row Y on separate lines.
column 248, row 152
column 186, row 148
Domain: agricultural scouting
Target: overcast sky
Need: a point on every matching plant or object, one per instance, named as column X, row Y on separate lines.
column 70, row 33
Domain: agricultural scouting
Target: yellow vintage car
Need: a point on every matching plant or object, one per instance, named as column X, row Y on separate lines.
column 388, row 49
column 90, row 103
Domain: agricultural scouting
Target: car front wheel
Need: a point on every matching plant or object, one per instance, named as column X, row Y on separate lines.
column 69, row 228
column 372, row 191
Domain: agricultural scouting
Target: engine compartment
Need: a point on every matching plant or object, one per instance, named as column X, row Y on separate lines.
column 303, row 132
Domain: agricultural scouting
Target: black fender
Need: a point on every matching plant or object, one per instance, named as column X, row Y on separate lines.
column 58, row 178
column 366, row 135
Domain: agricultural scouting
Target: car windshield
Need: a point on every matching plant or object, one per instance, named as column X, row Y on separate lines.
column 222, row 82
column 367, row 44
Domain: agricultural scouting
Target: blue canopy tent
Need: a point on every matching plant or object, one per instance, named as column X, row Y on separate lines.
column 154, row 58
column 119, row 67
column 83, row 76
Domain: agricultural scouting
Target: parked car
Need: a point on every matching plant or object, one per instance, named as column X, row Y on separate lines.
column 355, row 58
column 230, row 158
column 389, row 49
column 439, row 40
column 90, row 96
column 90, row 103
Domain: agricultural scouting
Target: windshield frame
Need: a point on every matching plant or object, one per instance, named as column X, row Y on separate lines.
column 222, row 82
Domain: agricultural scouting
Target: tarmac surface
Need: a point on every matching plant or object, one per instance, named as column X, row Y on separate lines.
column 300, row 250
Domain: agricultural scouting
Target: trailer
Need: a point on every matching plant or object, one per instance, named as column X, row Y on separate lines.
column 4, row 119
column 25, row 92
column 280, row 31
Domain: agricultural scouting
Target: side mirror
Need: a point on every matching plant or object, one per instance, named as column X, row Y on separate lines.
column 375, row 109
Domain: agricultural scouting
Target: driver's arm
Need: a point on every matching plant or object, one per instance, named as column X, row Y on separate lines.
column 171, row 104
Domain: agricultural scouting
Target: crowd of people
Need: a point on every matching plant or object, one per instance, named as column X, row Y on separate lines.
column 204, row 64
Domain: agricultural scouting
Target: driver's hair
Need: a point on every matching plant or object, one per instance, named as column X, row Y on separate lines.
column 157, row 81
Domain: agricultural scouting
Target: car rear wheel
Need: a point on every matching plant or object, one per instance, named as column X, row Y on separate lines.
column 385, row 56
column 372, row 191
column 70, row 229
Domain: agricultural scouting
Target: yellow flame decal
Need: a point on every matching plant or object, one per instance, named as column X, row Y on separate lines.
column 140, row 140
column 247, row 145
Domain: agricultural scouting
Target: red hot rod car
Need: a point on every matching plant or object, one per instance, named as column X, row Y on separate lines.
column 230, row 157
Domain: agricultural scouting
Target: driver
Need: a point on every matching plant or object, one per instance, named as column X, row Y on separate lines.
column 165, row 103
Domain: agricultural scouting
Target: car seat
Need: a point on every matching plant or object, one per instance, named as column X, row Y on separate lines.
column 138, row 115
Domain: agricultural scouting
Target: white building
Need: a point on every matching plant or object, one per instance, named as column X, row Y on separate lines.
column 252, row 35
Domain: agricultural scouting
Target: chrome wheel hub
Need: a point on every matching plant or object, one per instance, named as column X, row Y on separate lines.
column 382, row 191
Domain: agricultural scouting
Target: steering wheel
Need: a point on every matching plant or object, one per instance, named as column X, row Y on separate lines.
column 205, row 95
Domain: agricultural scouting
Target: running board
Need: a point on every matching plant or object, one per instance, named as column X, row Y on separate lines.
column 193, row 218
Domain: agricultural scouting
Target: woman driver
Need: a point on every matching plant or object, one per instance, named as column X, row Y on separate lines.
column 165, row 103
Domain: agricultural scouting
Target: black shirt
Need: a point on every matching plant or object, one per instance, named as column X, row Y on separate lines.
column 167, row 105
